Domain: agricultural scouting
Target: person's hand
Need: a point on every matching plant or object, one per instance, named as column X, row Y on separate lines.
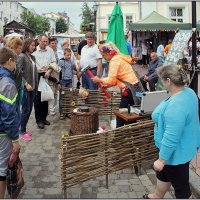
column 96, row 79
column 58, row 86
column 146, row 78
column 43, row 68
column 79, row 74
column 28, row 87
column 14, row 155
column 158, row 165
column 47, row 74
column 16, row 147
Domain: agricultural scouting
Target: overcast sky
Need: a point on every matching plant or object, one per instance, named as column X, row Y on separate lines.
column 73, row 9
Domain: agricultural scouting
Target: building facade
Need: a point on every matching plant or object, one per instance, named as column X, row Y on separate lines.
column 134, row 11
column 56, row 16
column 103, row 13
column 52, row 29
column 177, row 11
column 9, row 11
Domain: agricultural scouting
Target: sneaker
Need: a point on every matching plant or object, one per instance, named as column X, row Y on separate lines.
column 28, row 133
column 52, row 113
column 62, row 117
column 25, row 137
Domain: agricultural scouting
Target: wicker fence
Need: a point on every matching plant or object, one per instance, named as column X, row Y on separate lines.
column 71, row 99
column 87, row 156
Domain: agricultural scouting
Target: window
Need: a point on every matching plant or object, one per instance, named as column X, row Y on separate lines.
column 176, row 14
column 109, row 17
column 1, row 15
column 129, row 19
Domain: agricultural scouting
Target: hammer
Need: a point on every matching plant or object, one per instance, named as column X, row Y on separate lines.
column 87, row 70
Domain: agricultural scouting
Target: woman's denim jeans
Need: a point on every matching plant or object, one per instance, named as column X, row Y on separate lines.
column 87, row 82
column 27, row 105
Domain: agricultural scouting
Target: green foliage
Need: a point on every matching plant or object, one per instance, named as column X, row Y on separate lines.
column 87, row 19
column 37, row 23
column 61, row 25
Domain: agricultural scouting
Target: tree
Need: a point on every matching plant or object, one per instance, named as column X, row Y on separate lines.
column 87, row 18
column 61, row 25
column 37, row 23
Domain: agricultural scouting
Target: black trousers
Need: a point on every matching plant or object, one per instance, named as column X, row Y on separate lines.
column 151, row 82
column 41, row 108
column 178, row 175
column 144, row 59
column 125, row 100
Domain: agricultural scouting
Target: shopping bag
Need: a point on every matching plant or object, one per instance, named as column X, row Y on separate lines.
column 15, row 178
column 46, row 91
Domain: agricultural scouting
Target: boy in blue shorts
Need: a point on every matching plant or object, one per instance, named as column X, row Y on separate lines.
column 9, row 114
column 66, row 74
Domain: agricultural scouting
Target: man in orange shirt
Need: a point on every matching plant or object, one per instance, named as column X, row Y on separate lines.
column 119, row 70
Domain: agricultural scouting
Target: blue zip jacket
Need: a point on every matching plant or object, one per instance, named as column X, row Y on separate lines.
column 9, row 112
column 177, row 128
column 67, row 68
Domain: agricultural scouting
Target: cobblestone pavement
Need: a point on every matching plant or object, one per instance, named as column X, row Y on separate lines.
column 41, row 163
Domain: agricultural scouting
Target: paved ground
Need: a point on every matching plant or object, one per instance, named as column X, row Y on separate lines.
column 40, row 158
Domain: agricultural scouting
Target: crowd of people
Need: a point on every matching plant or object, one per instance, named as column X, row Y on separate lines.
column 24, row 65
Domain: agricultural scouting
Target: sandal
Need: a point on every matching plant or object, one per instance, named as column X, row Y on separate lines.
column 145, row 196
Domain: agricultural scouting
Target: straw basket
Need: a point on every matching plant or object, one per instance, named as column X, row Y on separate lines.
column 84, row 122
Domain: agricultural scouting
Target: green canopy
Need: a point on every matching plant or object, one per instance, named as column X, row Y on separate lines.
column 156, row 22
column 116, row 30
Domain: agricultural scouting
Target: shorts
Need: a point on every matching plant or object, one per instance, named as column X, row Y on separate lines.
column 5, row 153
column 178, row 175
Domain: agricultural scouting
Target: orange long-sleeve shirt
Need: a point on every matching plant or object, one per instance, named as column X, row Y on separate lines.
column 167, row 48
column 120, row 68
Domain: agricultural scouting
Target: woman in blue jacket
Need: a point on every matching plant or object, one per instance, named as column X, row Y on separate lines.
column 176, row 134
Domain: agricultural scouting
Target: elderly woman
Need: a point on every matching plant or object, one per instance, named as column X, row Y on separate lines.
column 119, row 70
column 176, row 133
column 15, row 44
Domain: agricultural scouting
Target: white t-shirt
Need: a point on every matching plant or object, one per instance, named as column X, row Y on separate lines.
column 90, row 56
column 144, row 49
column 44, row 57
column 160, row 50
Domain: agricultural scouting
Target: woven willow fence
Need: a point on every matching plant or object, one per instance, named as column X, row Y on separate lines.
column 87, row 156
column 71, row 99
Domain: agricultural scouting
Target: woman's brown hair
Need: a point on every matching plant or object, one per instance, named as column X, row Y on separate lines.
column 27, row 43
column 14, row 43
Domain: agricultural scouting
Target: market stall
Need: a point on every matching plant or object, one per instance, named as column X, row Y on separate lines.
column 153, row 29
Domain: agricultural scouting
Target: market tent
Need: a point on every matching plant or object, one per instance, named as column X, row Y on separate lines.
column 156, row 22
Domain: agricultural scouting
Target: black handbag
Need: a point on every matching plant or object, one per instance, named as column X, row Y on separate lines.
column 15, row 179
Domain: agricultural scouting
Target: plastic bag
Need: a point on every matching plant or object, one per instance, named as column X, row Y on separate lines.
column 45, row 89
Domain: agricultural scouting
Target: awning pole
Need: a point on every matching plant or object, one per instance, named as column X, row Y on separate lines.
column 194, row 73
